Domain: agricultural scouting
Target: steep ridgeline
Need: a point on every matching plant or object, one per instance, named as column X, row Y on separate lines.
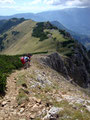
column 76, row 64
column 30, row 36
column 7, row 24
column 75, row 68
column 84, row 39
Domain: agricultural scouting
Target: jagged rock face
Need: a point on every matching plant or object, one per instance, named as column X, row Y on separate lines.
column 80, row 66
column 56, row 62
column 76, row 67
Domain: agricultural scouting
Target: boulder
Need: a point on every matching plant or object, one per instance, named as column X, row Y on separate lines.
column 21, row 110
column 4, row 103
column 53, row 113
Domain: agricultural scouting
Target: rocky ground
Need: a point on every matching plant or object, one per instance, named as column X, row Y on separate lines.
column 40, row 93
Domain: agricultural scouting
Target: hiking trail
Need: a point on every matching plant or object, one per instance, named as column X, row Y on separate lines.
column 42, row 93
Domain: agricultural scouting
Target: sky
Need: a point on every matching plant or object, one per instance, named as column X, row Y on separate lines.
column 9, row 7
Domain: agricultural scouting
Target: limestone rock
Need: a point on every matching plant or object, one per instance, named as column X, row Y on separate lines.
column 53, row 113
column 21, row 110
column 22, row 105
column 32, row 116
column 40, row 79
column 38, row 101
column 4, row 103
column 34, row 108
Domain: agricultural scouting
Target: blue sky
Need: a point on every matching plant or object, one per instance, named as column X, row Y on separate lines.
column 9, row 7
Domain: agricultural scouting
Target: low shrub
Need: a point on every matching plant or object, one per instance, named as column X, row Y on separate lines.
column 38, row 31
column 15, row 33
column 7, row 64
column 2, row 82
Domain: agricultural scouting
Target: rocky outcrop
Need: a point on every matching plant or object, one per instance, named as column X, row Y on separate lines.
column 43, row 94
column 76, row 67
column 56, row 62
column 53, row 113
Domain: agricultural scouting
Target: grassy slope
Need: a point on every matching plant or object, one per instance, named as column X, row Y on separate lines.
column 50, row 93
column 24, row 42
column 53, row 90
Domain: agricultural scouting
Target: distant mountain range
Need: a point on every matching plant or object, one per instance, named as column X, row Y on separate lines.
column 75, row 19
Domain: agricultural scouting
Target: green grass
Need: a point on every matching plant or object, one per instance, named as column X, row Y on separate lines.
column 28, row 39
column 22, row 96
column 21, row 80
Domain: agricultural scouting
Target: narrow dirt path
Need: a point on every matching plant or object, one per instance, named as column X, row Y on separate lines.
column 12, row 91
column 38, row 75
column 8, row 105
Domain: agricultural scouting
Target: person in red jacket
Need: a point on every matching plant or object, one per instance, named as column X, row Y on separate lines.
column 23, row 60
column 26, row 61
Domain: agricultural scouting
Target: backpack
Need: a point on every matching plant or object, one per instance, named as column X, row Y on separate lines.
column 22, row 60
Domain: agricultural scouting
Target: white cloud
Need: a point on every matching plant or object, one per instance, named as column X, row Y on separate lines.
column 52, row 2
column 78, row 3
column 36, row 1
column 7, row 1
column 84, row 3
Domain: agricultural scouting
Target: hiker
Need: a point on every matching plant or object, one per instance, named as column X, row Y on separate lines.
column 26, row 61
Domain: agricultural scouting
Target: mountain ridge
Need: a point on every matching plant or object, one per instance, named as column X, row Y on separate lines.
column 84, row 39
column 77, row 22
column 30, row 36
column 57, row 84
column 48, row 34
